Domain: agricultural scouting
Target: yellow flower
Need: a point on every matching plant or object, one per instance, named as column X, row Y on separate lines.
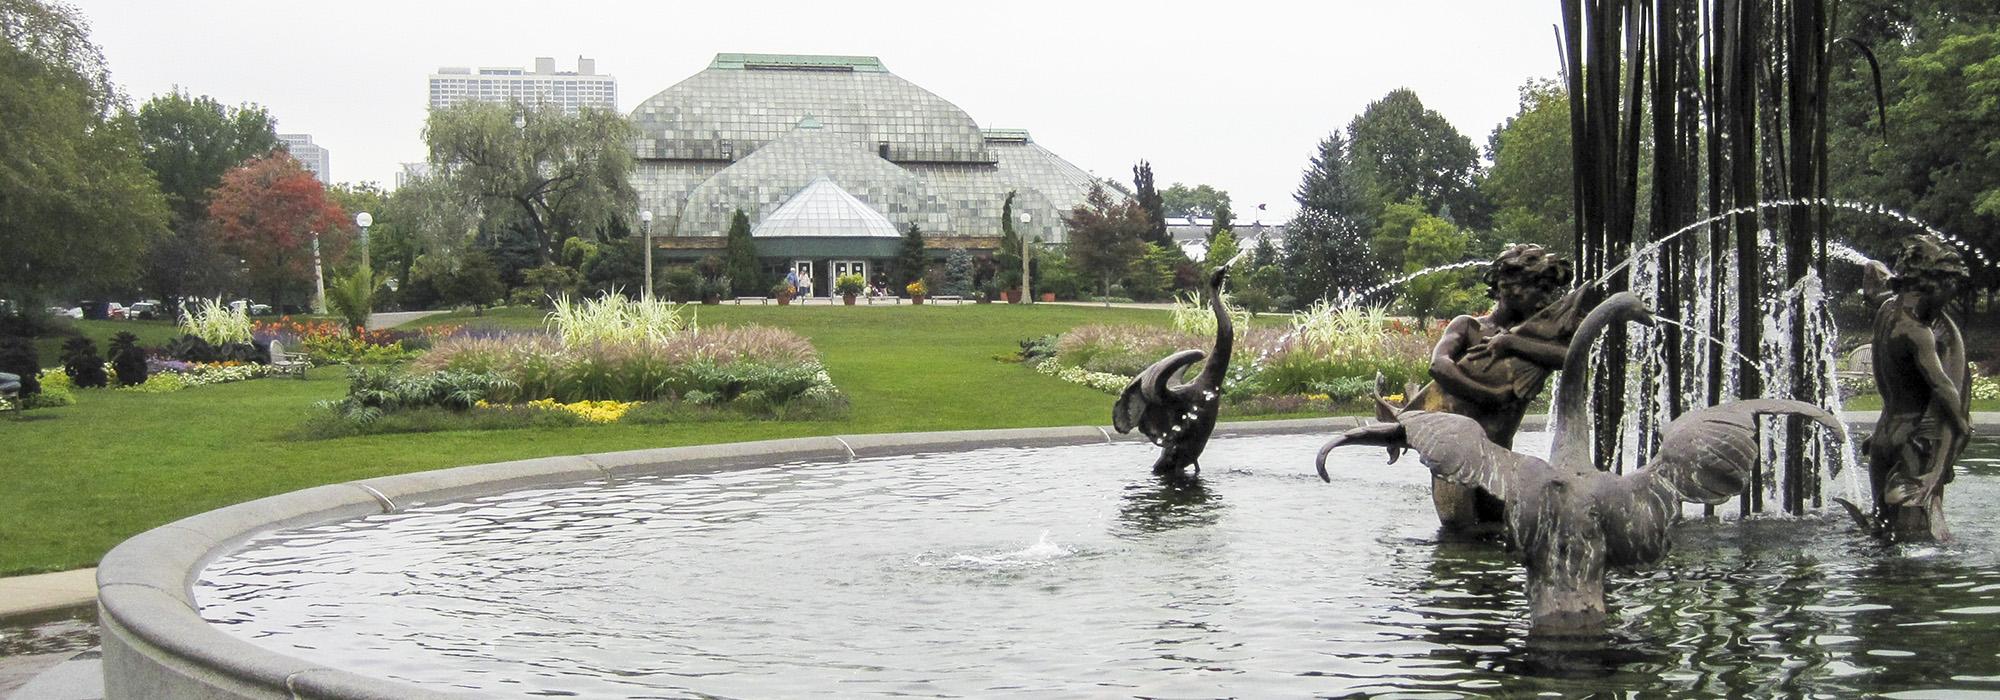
column 1393, row 398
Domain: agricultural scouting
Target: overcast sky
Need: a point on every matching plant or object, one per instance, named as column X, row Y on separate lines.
column 1233, row 94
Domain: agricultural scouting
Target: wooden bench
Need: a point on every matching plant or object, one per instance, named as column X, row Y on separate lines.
column 759, row 300
column 953, row 298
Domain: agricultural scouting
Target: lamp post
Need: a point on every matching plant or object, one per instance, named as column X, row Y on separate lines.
column 1027, row 249
column 363, row 220
column 646, row 225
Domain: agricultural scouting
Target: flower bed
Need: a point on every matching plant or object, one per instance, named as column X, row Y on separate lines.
column 604, row 361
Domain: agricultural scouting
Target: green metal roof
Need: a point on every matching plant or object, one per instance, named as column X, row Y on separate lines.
column 781, row 61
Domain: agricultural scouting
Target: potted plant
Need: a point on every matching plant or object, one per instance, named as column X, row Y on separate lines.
column 1048, row 296
column 917, row 291
column 782, row 292
column 987, row 292
column 848, row 286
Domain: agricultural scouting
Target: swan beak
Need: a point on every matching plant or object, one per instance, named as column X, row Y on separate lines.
column 1320, row 462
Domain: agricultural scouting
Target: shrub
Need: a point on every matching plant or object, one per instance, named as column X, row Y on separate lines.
column 55, row 390
column 372, row 392
column 128, row 360
column 681, row 284
column 917, row 288
column 82, row 364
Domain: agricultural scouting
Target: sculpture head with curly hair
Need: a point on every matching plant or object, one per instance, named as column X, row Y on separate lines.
column 1525, row 279
column 1927, row 266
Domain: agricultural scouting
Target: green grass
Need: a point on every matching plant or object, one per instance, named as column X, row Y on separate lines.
column 79, row 479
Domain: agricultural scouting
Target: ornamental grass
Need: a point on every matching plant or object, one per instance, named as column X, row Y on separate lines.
column 1326, row 351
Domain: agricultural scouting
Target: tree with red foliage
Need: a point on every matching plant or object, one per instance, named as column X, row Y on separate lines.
column 267, row 211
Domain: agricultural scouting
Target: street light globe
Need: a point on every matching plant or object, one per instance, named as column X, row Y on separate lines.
column 363, row 219
column 1025, row 217
column 646, row 217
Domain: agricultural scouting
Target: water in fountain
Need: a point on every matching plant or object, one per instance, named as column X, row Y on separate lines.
column 1803, row 305
column 1351, row 299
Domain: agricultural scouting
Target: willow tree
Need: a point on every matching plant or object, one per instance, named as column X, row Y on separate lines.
column 567, row 174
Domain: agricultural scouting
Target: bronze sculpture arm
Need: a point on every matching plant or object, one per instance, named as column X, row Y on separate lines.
column 1458, row 338
column 1548, row 354
column 1945, row 393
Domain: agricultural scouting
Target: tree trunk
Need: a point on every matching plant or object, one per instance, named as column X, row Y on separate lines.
column 542, row 246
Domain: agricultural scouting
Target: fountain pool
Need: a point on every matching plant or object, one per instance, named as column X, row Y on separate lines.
column 1071, row 571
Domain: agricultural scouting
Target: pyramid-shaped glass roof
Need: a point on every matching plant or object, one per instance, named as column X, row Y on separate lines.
column 822, row 208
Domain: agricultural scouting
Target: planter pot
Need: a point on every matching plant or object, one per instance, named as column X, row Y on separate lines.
column 985, row 299
column 1013, row 296
column 847, row 299
column 1048, row 296
column 784, row 301
column 916, row 299
column 711, row 299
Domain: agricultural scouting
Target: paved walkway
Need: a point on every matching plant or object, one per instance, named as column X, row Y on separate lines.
column 392, row 319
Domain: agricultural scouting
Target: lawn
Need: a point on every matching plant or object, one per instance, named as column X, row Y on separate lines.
column 79, row 479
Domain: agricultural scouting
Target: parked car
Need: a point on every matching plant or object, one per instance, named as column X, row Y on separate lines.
column 148, row 310
column 115, row 310
column 70, row 312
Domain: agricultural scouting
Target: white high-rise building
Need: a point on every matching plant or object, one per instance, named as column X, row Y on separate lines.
column 571, row 89
column 314, row 156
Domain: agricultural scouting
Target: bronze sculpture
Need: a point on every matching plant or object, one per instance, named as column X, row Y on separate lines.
column 1489, row 368
column 1179, row 419
column 1926, row 385
column 1567, row 519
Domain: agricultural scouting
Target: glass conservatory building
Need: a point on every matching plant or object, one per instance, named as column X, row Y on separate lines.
column 831, row 157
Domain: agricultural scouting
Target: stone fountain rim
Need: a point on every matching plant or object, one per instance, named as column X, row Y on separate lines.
column 156, row 645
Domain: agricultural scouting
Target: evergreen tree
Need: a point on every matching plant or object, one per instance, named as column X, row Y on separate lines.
column 746, row 276
column 1007, row 260
column 1265, row 254
column 910, row 260
column 1326, row 186
column 1224, row 219
column 957, row 273
column 1323, row 256
column 1149, row 198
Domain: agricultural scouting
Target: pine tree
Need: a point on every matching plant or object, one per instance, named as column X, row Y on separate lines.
column 1323, row 256
column 1007, row 260
column 1326, row 186
column 746, row 275
column 1224, row 221
column 910, row 258
column 1149, row 198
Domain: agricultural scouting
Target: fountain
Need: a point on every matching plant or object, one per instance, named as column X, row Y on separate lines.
column 1180, row 418
column 1569, row 518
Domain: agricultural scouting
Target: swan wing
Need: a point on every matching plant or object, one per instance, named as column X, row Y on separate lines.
column 1705, row 456
column 1148, row 403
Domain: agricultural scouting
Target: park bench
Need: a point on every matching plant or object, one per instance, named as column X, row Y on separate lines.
column 953, row 298
column 10, row 390
column 886, row 299
column 759, row 300
column 288, row 362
